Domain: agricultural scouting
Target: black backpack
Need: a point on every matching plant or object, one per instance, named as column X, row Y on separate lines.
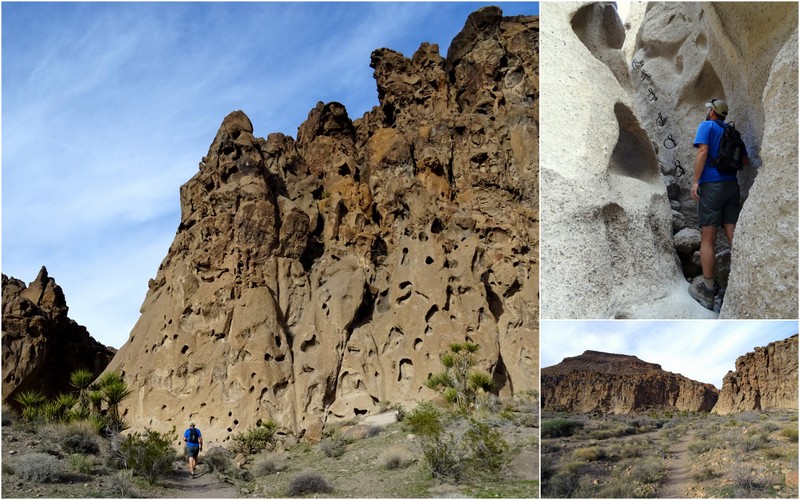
column 731, row 151
column 193, row 436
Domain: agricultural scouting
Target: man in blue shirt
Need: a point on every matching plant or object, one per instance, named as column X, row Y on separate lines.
column 194, row 444
column 717, row 196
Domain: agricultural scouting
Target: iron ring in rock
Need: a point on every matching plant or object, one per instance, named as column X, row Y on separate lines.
column 645, row 75
column 636, row 64
column 669, row 140
column 661, row 120
column 655, row 146
column 651, row 94
column 679, row 170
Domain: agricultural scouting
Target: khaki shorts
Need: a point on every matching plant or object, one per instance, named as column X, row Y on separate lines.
column 720, row 203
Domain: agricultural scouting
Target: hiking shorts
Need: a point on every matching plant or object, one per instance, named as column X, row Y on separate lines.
column 719, row 203
column 192, row 451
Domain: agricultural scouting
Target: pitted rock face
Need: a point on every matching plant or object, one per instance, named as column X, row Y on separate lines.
column 42, row 346
column 765, row 379
column 314, row 280
column 597, row 382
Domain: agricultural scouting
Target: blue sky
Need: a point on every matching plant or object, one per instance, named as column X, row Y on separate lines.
column 107, row 108
column 701, row 350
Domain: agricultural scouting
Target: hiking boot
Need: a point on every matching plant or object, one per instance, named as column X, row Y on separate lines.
column 700, row 292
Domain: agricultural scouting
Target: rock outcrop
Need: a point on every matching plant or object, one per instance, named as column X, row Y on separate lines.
column 607, row 249
column 765, row 379
column 616, row 188
column 314, row 279
column 597, row 382
column 685, row 55
column 42, row 346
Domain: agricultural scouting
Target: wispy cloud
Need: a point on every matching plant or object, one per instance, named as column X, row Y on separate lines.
column 701, row 350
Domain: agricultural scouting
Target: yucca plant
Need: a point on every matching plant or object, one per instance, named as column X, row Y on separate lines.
column 30, row 402
column 81, row 379
column 114, row 392
column 53, row 411
column 96, row 398
column 459, row 383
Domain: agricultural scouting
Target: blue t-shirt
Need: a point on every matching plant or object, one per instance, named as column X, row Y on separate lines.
column 710, row 132
column 186, row 436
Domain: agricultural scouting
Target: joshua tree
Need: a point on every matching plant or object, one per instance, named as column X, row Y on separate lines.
column 114, row 391
column 459, row 383
column 81, row 379
column 31, row 403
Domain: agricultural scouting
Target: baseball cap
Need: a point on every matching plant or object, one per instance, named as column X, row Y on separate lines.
column 719, row 106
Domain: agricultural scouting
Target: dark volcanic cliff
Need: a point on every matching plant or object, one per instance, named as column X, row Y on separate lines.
column 315, row 279
column 617, row 383
column 42, row 346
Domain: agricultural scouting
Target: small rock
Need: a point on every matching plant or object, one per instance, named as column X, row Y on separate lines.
column 687, row 240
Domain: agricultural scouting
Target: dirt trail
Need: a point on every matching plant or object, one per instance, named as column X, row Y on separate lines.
column 678, row 477
column 205, row 484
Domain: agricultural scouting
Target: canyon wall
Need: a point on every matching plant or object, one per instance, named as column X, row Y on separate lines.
column 317, row 279
column 765, row 379
column 597, row 382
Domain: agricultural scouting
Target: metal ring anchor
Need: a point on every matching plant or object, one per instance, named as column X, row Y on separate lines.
column 636, row 64
column 661, row 120
column 679, row 170
column 669, row 140
column 651, row 94
column 645, row 75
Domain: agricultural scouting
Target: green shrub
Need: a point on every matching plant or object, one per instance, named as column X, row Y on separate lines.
column 307, row 483
column 486, row 446
column 148, row 454
column 560, row 427
column 790, row 433
column 424, row 420
column 699, row 447
column 589, row 454
column 38, row 468
column 752, row 442
column 443, row 457
column 218, row 459
column 648, row 471
column 256, row 439
column 81, row 463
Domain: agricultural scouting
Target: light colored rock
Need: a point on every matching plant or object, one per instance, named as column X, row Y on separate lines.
column 606, row 221
column 687, row 241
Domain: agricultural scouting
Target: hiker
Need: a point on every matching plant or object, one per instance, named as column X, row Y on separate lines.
column 717, row 195
column 194, row 445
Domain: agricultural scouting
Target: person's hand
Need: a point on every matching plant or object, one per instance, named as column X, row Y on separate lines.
column 695, row 194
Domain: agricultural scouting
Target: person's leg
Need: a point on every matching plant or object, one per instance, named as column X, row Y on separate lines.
column 707, row 256
column 729, row 228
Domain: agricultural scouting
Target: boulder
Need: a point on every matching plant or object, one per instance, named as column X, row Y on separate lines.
column 687, row 241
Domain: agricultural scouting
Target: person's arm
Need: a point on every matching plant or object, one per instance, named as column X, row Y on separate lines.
column 201, row 443
column 699, row 165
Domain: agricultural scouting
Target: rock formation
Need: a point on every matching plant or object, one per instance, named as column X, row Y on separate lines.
column 42, row 346
column 597, row 382
column 607, row 249
column 315, row 279
column 765, row 379
column 689, row 53
column 616, row 187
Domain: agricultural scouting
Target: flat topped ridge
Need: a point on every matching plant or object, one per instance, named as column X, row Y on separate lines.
column 604, row 362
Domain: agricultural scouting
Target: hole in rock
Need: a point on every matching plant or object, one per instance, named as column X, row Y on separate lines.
column 417, row 344
column 406, row 370
column 429, row 260
column 434, row 308
column 235, row 422
column 280, row 358
column 309, row 343
column 633, row 155
column 359, row 412
column 404, row 285
column 184, row 349
column 230, row 430
column 230, row 413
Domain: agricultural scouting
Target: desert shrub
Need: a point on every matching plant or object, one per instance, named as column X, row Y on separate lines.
column 334, row 444
column 372, row 431
column 307, row 483
column 148, row 454
column 122, row 485
column 38, row 468
column 743, row 477
column 560, row 427
column 699, row 447
column 218, row 459
column 424, row 420
column 81, row 463
column 443, row 456
column 648, row 471
column 255, row 439
column 460, row 385
column 769, row 427
column 705, row 473
column 752, row 442
column 396, row 458
column 589, row 454
column 486, row 446
column 563, row 482
column 790, row 433
column 263, row 466
column 80, row 439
